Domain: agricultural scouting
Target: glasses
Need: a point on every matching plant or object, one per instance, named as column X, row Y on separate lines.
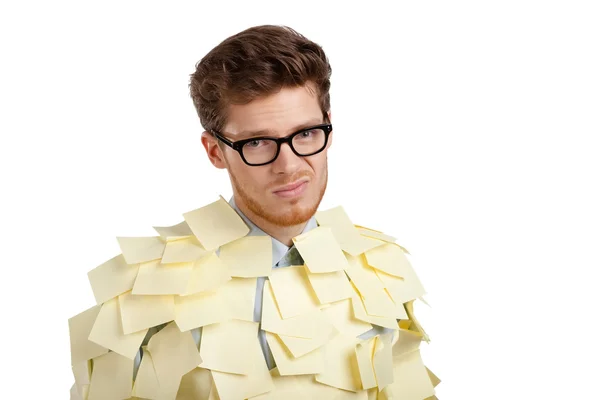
column 264, row 150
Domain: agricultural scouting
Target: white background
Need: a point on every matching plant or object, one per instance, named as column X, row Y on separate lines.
column 467, row 129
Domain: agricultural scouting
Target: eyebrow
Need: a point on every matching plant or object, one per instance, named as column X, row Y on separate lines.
column 268, row 132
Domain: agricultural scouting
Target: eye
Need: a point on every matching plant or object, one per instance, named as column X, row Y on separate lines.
column 254, row 143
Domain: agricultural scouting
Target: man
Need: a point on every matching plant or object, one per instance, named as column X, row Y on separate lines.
column 271, row 131
column 333, row 298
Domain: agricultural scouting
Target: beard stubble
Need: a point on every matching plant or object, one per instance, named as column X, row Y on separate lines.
column 296, row 216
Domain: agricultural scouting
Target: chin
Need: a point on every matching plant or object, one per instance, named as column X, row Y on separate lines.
column 281, row 211
column 293, row 211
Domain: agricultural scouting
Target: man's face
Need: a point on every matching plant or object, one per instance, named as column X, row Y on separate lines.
column 260, row 189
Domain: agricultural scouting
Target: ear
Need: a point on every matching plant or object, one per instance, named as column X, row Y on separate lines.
column 213, row 151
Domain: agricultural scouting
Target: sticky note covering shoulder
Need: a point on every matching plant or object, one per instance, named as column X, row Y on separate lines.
column 174, row 317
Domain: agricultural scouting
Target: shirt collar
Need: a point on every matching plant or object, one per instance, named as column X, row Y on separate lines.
column 279, row 249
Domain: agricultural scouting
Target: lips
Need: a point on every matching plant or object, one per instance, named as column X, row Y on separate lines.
column 290, row 187
column 291, row 191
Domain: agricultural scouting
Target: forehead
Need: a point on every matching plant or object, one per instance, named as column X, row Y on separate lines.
column 277, row 114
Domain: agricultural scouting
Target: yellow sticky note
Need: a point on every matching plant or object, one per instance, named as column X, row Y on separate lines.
column 345, row 232
column 407, row 341
column 74, row 393
column 248, row 257
column 225, row 346
column 241, row 295
column 387, row 394
column 346, row 395
column 141, row 249
column 320, row 251
column 371, row 233
column 304, row 326
column 411, row 380
column 362, row 275
column 112, row 377
column 139, row 312
column 195, row 385
column 341, row 315
column 373, row 394
column 359, row 244
column 375, row 298
column 382, row 361
column 433, row 378
column 286, row 387
column 80, row 327
column 213, row 395
column 379, row 304
column 293, row 293
column 364, row 356
column 208, row 273
column 337, row 219
column 399, row 306
column 330, row 286
column 156, row 278
column 402, row 248
column 388, row 258
column 302, row 387
column 112, row 278
column 201, row 309
column 85, row 392
column 415, row 325
column 341, row 368
column 389, row 281
column 80, row 392
column 184, row 250
column 175, row 232
column 310, row 363
column 403, row 289
column 237, row 386
column 359, row 312
column 82, row 372
column 298, row 347
column 146, row 382
column 174, row 354
column 216, row 224
column 108, row 331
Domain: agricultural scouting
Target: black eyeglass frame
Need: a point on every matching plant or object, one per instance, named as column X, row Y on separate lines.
column 238, row 145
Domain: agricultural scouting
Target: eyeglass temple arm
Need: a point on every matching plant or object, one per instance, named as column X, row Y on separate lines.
column 223, row 139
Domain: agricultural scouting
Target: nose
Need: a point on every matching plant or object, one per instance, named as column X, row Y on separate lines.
column 287, row 162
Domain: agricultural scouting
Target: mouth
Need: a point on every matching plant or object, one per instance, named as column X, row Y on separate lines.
column 292, row 190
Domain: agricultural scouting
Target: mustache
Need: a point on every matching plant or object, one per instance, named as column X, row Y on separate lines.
column 291, row 179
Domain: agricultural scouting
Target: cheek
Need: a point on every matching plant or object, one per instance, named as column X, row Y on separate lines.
column 319, row 168
column 252, row 178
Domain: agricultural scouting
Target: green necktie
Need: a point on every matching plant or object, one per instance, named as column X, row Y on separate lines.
column 292, row 257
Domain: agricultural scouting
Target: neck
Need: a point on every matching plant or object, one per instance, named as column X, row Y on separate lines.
column 284, row 234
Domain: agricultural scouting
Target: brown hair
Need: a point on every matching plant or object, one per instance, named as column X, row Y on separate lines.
column 256, row 62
